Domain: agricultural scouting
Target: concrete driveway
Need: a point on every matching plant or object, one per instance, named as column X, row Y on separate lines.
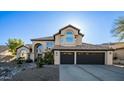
column 91, row 73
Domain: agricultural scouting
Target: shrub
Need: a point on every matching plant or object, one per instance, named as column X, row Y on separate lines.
column 115, row 58
column 29, row 61
column 40, row 62
column 20, row 60
column 48, row 58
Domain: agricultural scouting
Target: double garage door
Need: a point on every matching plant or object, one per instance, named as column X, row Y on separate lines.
column 82, row 58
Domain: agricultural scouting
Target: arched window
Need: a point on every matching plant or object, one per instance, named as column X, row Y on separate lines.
column 69, row 37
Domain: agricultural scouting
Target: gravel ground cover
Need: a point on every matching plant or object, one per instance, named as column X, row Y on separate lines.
column 8, row 70
column 46, row 73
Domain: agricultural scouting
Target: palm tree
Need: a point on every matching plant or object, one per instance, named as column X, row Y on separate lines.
column 118, row 30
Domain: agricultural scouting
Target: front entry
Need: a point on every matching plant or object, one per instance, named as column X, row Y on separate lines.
column 67, row 57
column 90, row 58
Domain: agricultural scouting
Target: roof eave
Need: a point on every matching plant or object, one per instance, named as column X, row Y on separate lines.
column 41, row 40
column 85, row 49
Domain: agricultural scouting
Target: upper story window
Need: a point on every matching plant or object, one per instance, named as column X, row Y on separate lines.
column 69, row 37
column 50, row 44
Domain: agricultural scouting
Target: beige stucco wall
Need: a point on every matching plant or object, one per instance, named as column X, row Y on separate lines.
column 57, row 39
column 120, row 56
column 78, row 39
column 26, row 55
column 119, row 53
column 108, row 56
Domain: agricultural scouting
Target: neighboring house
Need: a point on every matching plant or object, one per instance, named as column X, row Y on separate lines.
column 24, row 51
column 5, row 55
column 68, row 48
column 118, row 54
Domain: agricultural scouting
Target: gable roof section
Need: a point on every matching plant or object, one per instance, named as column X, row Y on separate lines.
column 28, row 46
column 71, row 27
column 67, row 27
column 84, row 47
column 52, row 38
column 49, row 38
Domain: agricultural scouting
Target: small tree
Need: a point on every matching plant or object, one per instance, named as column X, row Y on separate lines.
column 40, row 61
column 48, row 58
column 13, row 44
column 118, row 30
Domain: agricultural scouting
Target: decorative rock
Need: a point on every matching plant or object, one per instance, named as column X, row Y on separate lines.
column 6, row 73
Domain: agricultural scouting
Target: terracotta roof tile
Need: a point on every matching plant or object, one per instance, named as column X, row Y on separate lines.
column 84, row 46
column 50, row 38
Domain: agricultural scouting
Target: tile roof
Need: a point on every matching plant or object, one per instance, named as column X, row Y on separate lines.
column 3, row 48
column 70, row 26
column 115, row 45
column 49, row 38
column 67, row 27
column 28, row 45
column 84, row 46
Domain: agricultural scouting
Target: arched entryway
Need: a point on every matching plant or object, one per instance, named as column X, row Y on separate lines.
column 38, row 50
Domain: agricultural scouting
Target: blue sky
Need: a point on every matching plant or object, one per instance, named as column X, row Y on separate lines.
column 96, row 26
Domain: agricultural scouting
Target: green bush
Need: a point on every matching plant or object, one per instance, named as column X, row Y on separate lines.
column 40, row 62
column 20, row 60
column 29, row 61
column 48, row 58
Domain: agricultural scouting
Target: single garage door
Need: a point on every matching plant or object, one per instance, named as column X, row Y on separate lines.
column 67, row 58
column 90, row 58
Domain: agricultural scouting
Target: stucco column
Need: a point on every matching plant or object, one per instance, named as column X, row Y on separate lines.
column 109, row 57
column 75, row 54
column 56, row 57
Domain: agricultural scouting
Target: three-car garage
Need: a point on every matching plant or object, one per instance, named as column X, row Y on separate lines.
column 82, row 58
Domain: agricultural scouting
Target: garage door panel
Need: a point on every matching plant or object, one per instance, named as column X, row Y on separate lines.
column 67, row 58
column 90, row 58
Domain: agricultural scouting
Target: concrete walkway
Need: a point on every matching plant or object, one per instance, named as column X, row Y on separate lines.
column 91, row 73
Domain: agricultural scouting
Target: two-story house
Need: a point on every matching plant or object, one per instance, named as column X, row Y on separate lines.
column 68, row 48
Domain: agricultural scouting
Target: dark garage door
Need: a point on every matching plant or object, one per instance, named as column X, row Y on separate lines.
column 90, row 58
column 67, row 58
